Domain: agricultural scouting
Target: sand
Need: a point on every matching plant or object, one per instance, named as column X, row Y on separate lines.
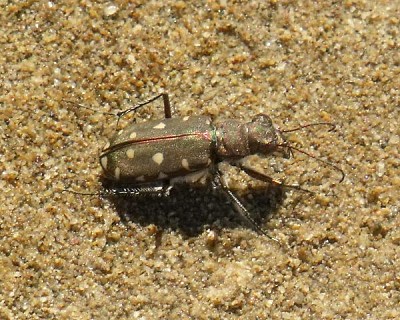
column 189, row 256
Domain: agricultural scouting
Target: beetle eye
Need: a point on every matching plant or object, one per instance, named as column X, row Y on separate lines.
column 263, row 120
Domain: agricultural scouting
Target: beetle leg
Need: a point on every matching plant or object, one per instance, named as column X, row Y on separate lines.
column 240, row 208
column 137, row 191
column 263, row 177
column 167, row 106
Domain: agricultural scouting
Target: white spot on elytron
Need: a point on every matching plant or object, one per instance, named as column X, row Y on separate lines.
column 161, row 125
column 162, row 175
column 208, row 121
column 117, row 173
column 132, row 135
column 140, row 178
column 185, row 164
column 119, row 132
column 208, row 161
column 106, row 145
column 130, row 153
column 158, row 158
column 103, row 162
column 185, row 118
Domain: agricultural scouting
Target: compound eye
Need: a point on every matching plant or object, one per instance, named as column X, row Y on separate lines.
column 262, row 119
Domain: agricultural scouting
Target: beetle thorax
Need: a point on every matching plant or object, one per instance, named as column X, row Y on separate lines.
column 232, row 139
column 260, row 136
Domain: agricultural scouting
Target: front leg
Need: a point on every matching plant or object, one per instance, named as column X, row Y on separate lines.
column 263, row 177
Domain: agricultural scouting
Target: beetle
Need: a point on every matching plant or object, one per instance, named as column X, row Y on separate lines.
column 150, row 157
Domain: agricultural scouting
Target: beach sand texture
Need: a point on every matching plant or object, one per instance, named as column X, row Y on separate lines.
column 189, row 256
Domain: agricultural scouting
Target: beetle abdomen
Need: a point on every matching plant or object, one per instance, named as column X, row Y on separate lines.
column 157, row 150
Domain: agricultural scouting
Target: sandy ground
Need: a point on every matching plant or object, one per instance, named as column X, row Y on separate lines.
column 67, row 256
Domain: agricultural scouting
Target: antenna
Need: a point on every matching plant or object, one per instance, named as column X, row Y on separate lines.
column 327, row 163
column 332, row 125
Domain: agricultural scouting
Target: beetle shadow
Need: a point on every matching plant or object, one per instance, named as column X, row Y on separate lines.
column 189, row 210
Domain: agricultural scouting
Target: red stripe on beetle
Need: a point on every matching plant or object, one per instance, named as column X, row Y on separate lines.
column 204, row 135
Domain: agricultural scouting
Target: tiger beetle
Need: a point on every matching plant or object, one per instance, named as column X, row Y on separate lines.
column 150, row 157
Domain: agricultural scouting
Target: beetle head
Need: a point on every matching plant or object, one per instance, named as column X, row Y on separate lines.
column 265, row 138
